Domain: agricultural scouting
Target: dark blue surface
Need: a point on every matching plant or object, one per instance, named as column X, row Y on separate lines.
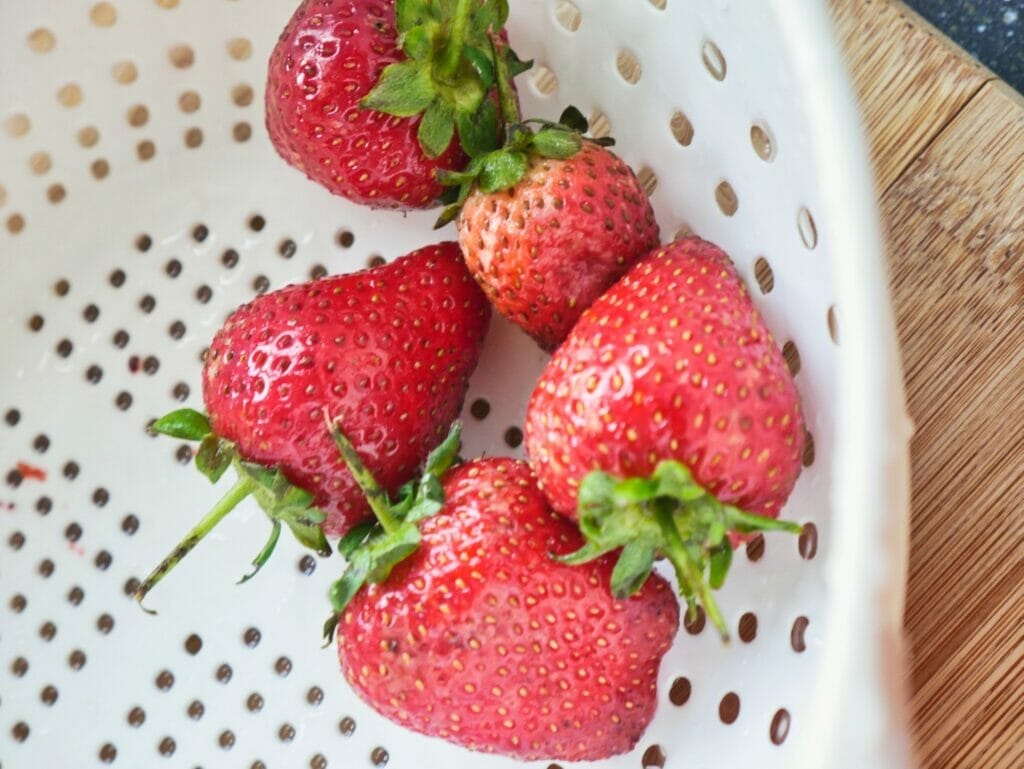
column 991, row 30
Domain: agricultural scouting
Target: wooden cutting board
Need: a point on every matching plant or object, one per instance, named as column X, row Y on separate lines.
column 947, row 140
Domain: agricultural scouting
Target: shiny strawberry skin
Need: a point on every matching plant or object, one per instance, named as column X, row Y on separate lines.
column 545, row 250
column 674, row 362
column 387, row 351
column 327, row 59
column 480, row 638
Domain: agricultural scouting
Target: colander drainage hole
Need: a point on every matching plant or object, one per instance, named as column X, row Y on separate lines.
column 747, row 630
column 796, row 635
column 679, row 693
column 513, row 437
column 808, row 542
column 136, row 717
column 252, row 637
column 653, row 758
column 755, row 548
column 779, row 727
column 193, row 644
column 480, row 408
column 695, row 624
column 729, row 708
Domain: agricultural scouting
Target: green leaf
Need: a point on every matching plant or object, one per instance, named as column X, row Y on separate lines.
column 516, row 66
column 483, row 65
column 404, row 90
column 518, row 136
column 264, row 477
column 465, row 91
column 404, row 500
column 448, row 214
column 391, row 550
column 459, row 178
column 310, row 536
column 214, row 456
column 330, row 628
column 633, row 491
column 573, row 119
column 355, row 537
column 478, row 132
column 556, row 143
column 442, row 457
column 264, row 555
column 596, row 491
column 437, row 128
column 187, row 424
column 585, row 554
column 451, row 192
column 720, row 561
column 342, row 591
column 418, row 42
column 632, row 569
column 412, row 13
column 502, row 170
column 676, row 481
column 455, row 178
column 492, row 14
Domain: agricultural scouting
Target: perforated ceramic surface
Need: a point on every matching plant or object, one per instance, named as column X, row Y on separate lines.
column 140, row 202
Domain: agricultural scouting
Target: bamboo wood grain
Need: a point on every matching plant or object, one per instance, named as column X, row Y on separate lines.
column 910, row 79
column 947, row 142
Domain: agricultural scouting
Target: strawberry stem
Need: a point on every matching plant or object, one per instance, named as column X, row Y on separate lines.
column 456, row 40
column 668, row 513
column 688, row 571
column 509, row 104
column 242, row 489
column 375, row 495
column 373, row 550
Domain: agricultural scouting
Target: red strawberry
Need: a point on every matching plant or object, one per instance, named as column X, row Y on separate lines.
column 388, row 351
column 480, row 638
column 670, row 376
column 549, row 221
column 545, row 249
column 371, row 119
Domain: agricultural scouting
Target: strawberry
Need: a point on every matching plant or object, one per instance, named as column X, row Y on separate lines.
column 549, row 221
column 545, row 249
column 388, row 351
column 371, row 97
column 479, row 637
column 667, row 419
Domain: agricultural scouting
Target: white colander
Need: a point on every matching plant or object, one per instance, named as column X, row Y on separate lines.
column 140, row 201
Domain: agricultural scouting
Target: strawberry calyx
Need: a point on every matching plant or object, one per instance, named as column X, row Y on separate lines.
column 502, row 168
column 283, row 502
column 375, row 547
column 448, row 74
column 667, row 514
